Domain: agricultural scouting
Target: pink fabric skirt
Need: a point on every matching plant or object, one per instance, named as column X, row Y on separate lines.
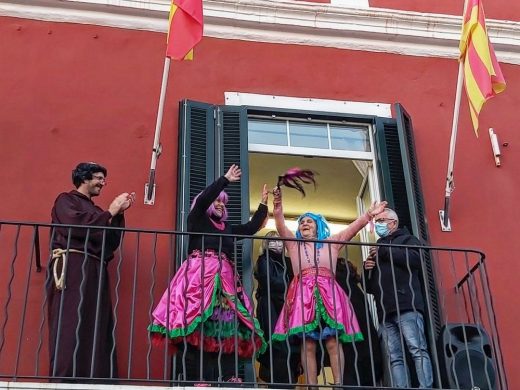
column 315, row 300
column 205, row 304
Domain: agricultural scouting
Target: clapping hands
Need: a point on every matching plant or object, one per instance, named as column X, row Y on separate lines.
column 121, row 203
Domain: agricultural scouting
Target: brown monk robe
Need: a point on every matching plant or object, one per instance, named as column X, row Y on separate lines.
column 81, row 341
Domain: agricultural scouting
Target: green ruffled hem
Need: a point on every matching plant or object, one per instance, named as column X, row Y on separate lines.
column 259, row 332
column 322, row 314
column 181, row 332
column 214, row 329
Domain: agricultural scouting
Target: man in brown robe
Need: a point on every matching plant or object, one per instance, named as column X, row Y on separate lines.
column 81, row 330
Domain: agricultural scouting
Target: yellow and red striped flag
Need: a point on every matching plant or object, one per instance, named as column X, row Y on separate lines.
column 185, row 28
column 482, row 75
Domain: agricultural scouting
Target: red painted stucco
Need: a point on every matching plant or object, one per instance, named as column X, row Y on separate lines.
column 78, row 92
column 499, row 9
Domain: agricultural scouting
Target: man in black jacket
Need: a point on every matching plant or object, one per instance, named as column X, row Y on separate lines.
column 392, row 275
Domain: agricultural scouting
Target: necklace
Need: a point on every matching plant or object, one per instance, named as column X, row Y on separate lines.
column 307, row 257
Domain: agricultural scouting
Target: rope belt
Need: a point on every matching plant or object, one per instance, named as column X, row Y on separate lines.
column 60, row 256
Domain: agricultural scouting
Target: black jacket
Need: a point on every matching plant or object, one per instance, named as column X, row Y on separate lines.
column 274, row 271
column 363, row 359
column 405, row 265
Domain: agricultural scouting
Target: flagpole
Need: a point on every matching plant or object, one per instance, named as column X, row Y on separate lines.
column 444, row 214
column 149, row 196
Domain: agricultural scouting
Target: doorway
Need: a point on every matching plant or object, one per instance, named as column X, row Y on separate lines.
column 343, row 192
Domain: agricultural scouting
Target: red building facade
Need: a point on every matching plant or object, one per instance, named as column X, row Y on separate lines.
column 81, row 83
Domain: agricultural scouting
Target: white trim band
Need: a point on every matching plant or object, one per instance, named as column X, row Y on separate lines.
column 286, row 22
column 308, row 104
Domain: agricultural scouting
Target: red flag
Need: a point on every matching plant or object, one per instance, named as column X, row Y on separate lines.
column 482, row 75
column 185, row 31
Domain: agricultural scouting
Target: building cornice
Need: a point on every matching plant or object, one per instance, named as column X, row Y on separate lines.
column 286, row 22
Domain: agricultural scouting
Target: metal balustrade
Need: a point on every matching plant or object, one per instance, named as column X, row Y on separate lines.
column 465, row 351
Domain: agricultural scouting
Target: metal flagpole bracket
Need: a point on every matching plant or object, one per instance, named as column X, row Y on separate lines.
column 444, row 215
column 495, row 146
column 445, row 225
column 158, row 150
column 149, row 200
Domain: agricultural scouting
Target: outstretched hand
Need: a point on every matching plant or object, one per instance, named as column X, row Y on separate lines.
column 233, row 173
column 376, row 208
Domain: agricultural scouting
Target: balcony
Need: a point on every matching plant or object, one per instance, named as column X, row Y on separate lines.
column 460, row 325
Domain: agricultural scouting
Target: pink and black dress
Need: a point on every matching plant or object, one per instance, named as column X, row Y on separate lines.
column 205, row 302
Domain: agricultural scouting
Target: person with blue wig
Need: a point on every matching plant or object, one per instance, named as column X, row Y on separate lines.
column 316, row 308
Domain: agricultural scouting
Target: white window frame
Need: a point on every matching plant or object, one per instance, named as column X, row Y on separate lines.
column 299, row 150
column 331, row 107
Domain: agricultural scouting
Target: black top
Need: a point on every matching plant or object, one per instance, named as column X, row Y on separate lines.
column 363, row 357
column 199, row 222
column 274, row 270
column 403, row 263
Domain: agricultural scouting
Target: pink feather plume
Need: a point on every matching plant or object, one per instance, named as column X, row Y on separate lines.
column 296, row 177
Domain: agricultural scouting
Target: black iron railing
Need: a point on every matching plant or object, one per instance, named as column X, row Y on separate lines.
column 38, row 325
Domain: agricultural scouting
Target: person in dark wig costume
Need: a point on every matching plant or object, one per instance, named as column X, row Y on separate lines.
column 316, row 307
column 205, row 302
column 281, row 361
column 81, row 343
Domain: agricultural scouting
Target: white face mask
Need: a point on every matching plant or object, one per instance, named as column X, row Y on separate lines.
column 275, row 246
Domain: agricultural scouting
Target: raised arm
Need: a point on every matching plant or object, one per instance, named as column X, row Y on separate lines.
column 211, row 192
column 348, row 233
column 279, row 218
column 257, row 220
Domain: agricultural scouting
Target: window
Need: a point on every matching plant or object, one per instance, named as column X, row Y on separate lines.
column 309, row 134
column 350, row 138
column 267, row 132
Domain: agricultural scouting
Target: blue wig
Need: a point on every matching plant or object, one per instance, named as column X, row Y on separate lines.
column 322, row 229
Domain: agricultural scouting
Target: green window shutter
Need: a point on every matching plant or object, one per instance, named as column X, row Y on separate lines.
column 231, row 148
column 211, row 138
column 196, row 156
column 401, row 187
column 413, row 188
column 387, row 146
